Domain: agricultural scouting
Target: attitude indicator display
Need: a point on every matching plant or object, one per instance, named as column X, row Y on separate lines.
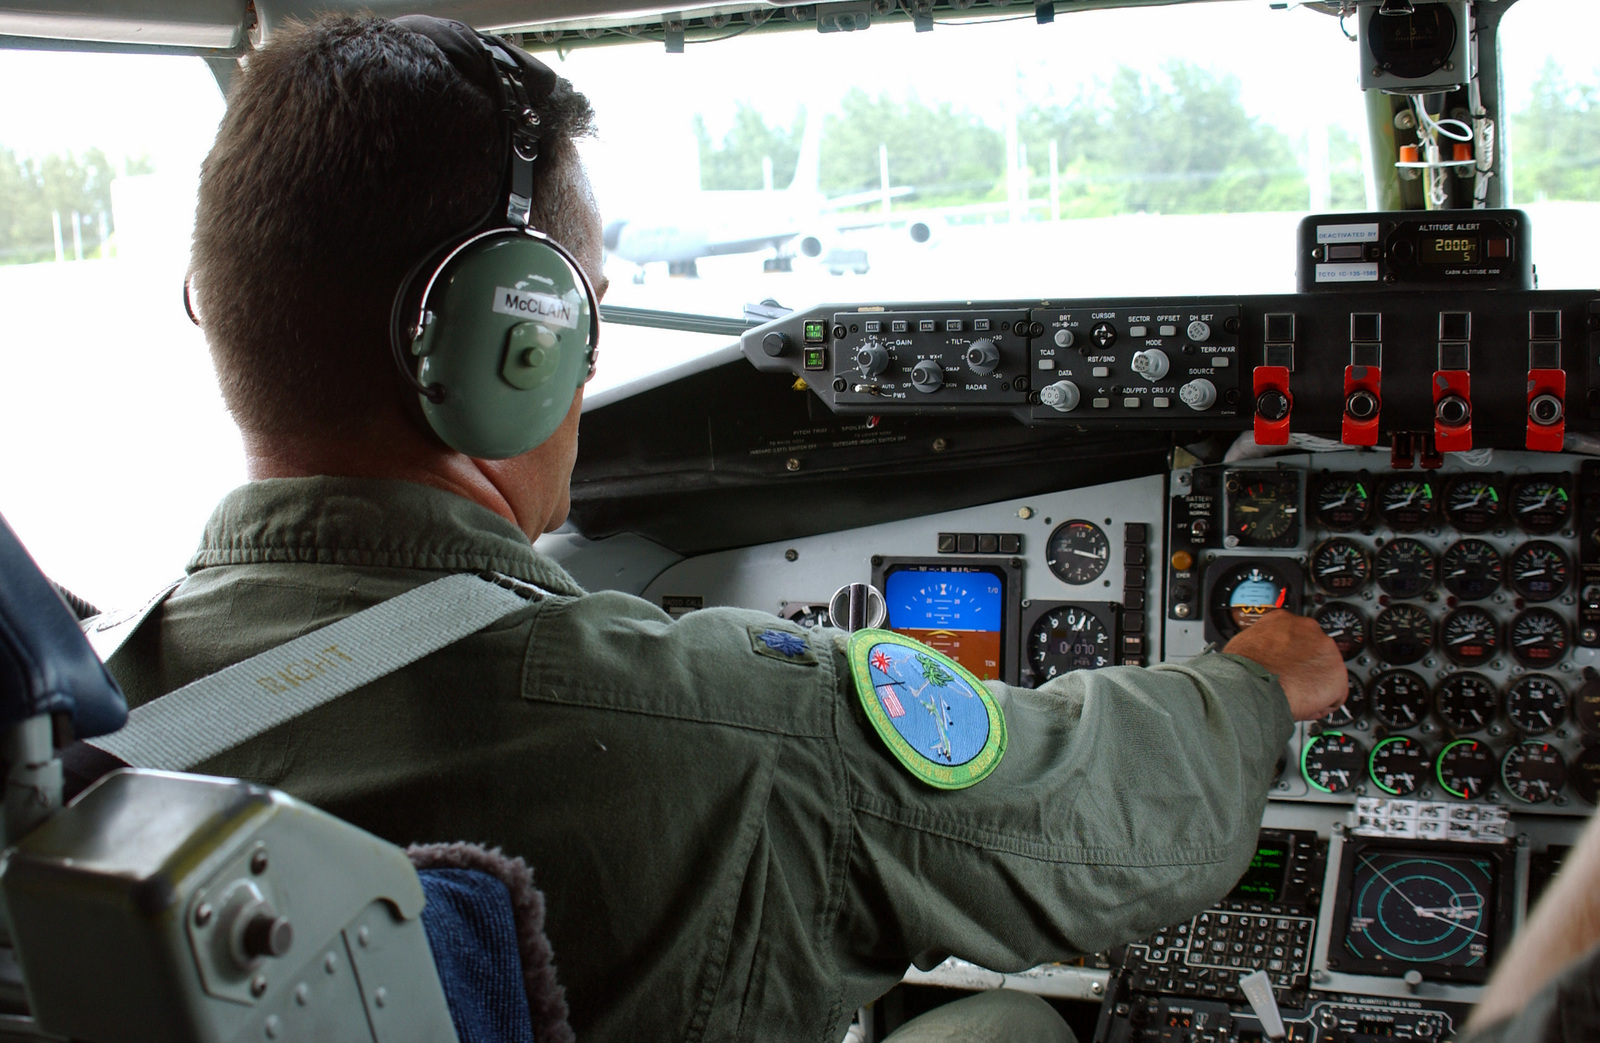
column 959, row 610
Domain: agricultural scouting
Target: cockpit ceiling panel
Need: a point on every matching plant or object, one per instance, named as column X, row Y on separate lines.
column 232, row 25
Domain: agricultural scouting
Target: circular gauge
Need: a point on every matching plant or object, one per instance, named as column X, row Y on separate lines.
column 1470, row 569
column 1538, row 637
column 1332, row 762
column 1406, row 503
column 1539, row 503
column 1409, row 909
column 1339, row 566
column 1354, row 705
column 1466, row 701
column 1472, row 503
column 1540, row 570
column 1077, row 552
column 1244, row 593
column 1536, row 703
column 1533, row 771
column 1585, row 775
column 1399, row 698
column 1262, row 508
column 1466, row 769
column 1398, row 765
column 1402, row 634
column 1342, row 502
column 1346, row 625
column 1586, row 703
column 1405, row 568
column 1470, row 636
column 1066, row 639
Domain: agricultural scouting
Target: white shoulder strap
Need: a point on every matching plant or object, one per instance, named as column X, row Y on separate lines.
column 206, row 717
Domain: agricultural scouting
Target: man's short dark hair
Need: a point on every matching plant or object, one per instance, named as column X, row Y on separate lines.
column 350, row 149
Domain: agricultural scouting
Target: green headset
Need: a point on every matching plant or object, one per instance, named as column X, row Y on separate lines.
column 498, row 328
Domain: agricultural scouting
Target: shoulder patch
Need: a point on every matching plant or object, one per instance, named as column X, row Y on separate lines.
column 935, row 717
column 783, row 645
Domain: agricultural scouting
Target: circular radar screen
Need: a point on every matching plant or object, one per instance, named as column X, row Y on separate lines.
column 1466, row 769
column 1539, row 570
column 1354, row 705
column 1536, row 703
column 1405, row 568
column 1540, row 503
column 1066, row 639
column 1264, row 508
column 1533, row 772
column 1077, row 552
column 1346, row 625
column 1470, row 636
column 1340, row 566
column 1406, row 503
column 1472, row 503
column 1411, row 909
column 1398, row 765
column 1538, row 637
column 1471, row 569
column 1344, row 501
column 1466, row 701
column 1332, row 762
column 1399, row 698
column 1246, row 592
column 1402, row 634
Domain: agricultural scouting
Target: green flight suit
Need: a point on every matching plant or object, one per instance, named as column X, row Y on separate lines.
column 728, row 850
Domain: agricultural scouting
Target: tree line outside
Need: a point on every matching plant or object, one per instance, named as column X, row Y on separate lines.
column 1179, row 143
column 36, row 192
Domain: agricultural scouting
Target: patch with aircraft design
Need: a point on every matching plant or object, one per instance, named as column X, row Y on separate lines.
column 936, row 717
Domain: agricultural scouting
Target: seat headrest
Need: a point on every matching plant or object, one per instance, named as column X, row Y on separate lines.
column 46, row 665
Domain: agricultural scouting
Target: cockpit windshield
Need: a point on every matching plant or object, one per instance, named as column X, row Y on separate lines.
column 1157, row 150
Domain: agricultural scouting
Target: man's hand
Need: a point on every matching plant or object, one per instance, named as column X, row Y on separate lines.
column 1305, row 659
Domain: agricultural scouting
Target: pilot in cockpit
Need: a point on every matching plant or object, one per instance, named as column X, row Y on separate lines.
column 744, row 829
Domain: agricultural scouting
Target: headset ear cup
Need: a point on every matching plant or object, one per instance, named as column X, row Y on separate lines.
column 505, row 343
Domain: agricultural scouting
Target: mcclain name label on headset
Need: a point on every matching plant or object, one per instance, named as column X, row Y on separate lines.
column 542, row 306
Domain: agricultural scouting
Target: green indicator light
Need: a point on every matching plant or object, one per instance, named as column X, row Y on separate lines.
column 1494, row 495
column 815, row 331
column 1562, row 493
column 1361, row 489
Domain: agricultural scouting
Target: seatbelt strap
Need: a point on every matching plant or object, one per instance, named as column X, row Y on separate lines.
column 237, row 703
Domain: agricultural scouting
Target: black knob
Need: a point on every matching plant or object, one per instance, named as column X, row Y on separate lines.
column 775, row 344
column 1545, row 409
column 267, row 935
column 1272, row 404
column 1362, row 404
column 1452, row 411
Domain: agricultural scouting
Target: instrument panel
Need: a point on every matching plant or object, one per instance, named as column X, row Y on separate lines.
column 1406, row 832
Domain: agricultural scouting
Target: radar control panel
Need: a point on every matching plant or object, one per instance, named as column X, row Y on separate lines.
column 1458, row 367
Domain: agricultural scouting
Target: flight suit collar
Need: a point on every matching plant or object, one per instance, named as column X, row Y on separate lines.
column 371, row 523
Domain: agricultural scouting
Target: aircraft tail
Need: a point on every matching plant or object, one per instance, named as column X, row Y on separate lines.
column 806, row 172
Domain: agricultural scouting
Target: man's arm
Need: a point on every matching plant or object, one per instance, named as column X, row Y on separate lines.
column 1305, row 659
column 1564, row 926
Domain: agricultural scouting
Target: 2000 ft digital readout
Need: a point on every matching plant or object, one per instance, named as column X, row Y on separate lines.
column 1444, row 249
